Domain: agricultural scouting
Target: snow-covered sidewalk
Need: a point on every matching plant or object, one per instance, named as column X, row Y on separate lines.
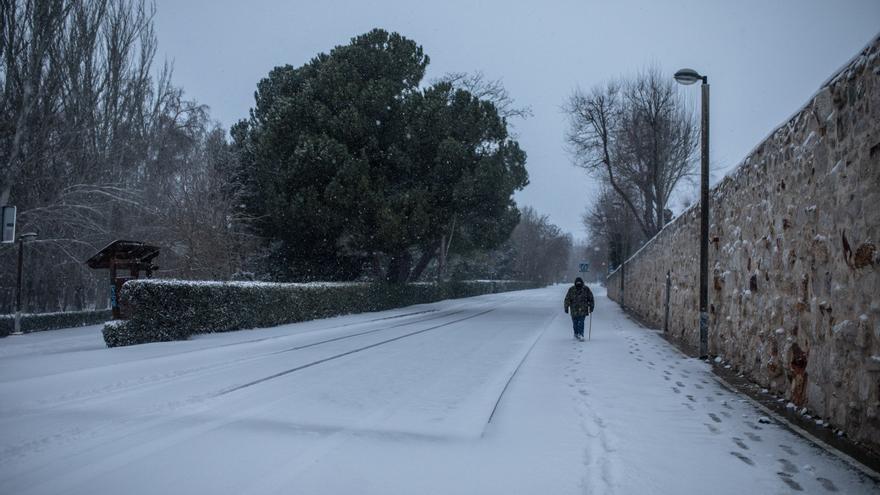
column 483, row 395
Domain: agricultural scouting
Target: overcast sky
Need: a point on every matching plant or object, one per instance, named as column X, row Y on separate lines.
column 764, row 59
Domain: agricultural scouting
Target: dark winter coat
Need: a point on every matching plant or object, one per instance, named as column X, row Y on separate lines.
column 579, row 301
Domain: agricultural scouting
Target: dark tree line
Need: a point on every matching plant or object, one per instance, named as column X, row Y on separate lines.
column 537, row 250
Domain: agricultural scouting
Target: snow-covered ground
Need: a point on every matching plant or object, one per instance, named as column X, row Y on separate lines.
column 393, row 402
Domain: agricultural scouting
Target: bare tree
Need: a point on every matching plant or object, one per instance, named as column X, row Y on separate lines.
column 612, row 227
column 96, row 144
column 492, row 90
column 640, row 136
column 541, row 250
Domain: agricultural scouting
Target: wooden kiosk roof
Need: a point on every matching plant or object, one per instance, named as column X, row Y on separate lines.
column 123, row 253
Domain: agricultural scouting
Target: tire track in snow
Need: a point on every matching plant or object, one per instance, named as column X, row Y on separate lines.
column 19, row 451
column 145, row 382
column 521, row 361
column 343, row 354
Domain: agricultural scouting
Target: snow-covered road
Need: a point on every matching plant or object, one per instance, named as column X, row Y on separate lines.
column 400, row 401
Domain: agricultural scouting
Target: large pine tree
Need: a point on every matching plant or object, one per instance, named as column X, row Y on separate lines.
column 347, row 164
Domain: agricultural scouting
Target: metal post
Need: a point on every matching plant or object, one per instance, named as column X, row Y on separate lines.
column 704, row 221
column 668, row 287
column 114, row 297
column 17, row 327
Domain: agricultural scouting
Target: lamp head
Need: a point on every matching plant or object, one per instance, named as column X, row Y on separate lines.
column 688, row 76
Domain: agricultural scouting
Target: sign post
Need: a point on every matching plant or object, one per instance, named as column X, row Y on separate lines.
column 21, row 242
column 584, row 267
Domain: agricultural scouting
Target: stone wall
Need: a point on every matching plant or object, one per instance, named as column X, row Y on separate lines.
column 794, row 268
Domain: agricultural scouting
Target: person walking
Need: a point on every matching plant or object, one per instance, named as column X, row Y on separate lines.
column 579, row 300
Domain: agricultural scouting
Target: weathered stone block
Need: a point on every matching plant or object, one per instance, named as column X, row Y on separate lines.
column 845, row 332
column 865, row 255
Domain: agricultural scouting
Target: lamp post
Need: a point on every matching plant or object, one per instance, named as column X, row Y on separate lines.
column 687, row 77
column 21, row 239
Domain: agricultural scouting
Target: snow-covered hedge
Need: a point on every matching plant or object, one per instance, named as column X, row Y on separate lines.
column 50, row 321
column 163, row 310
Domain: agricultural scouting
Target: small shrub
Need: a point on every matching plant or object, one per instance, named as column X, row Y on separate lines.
column 38, row 322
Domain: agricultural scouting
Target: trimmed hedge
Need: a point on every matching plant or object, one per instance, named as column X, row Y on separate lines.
column 37, row 322
column 164, row 310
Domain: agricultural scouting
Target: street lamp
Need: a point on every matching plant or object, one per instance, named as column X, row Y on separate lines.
column 687, row 77
column 21, row 240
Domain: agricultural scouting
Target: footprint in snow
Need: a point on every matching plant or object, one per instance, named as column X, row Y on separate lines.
column 691, row 398
column 753, row 437
column 725, row 414
column 676, row 390
column 743, row 458
column 739, row 442
column 794, row 485
column 584, row 392
column 788, row 466
column 827, row 484
column 788, row 450
column 753, row 426
column 688, row 405
column 680, row 384
column 715, row 417
column 698, row 386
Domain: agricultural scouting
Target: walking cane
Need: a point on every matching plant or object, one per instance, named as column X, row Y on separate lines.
column 591, row 326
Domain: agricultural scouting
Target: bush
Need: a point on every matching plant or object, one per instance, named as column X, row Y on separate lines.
column 37, row 322
column 164, row 310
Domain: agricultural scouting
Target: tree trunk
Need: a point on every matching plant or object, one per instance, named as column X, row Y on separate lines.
column 399, row 267
column 424, row 260
column 441, row 260
column 376, row 266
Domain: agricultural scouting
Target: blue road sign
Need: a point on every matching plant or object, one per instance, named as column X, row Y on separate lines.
column 585, row 267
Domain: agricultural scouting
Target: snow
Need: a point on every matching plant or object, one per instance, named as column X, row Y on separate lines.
column 393, row 402
column 243, row 283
